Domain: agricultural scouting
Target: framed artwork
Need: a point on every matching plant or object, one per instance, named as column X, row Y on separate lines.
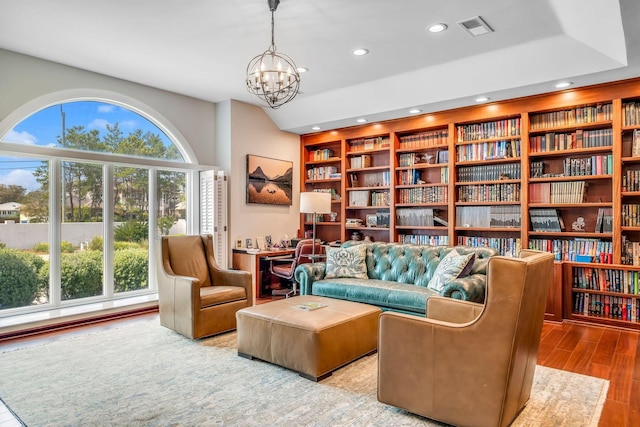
column 249, row 243
column 372, row 220
column 269, row 181
column 260, row 243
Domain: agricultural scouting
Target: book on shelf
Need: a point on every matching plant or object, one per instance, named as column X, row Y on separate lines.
column 546, row 220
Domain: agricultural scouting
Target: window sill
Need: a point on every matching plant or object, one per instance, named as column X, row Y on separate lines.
column 30, row 324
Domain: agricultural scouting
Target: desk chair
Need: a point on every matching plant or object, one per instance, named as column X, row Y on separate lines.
column 285, row 268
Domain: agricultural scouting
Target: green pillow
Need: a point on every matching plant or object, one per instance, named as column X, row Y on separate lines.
column 346, row 262
column 452, row 266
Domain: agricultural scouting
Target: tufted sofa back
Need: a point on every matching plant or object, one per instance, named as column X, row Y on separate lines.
column 414, row 264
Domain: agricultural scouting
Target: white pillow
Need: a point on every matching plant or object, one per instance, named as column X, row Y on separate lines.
column 346, row 262
column 450, row 267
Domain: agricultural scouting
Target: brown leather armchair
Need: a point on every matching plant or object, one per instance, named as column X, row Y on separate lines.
column 467, row 363
column 198, row 298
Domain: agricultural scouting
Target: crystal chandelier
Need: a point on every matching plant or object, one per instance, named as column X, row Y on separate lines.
column 273, row 77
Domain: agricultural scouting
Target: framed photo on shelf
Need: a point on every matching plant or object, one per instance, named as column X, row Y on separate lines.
column 371, row 220
column 249, row 243
column 260, row 243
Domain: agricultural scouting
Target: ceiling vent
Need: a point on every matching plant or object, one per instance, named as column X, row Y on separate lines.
column 475, row 26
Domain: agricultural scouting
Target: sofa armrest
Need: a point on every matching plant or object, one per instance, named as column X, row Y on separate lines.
column 452, row 310
column 308, row 273
column 468, row 288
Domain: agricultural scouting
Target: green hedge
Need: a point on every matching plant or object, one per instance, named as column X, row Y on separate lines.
column 18, row 278
column 130, row 270
column 81, row 274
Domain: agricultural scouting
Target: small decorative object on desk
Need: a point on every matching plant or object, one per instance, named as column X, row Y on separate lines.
column 333, row 216
column 309, row 306
column 260, row 243
column 249, row 243
column 268, row 240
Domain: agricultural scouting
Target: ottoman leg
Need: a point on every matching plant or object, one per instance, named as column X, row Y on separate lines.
column 245, row 355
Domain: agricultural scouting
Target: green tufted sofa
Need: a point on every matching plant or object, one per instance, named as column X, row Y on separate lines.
column 398, row 275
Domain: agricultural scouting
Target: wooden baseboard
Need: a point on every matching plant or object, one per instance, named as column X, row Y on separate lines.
column 64, row 325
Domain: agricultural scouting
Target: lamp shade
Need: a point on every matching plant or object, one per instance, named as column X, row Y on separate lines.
column 315, row 202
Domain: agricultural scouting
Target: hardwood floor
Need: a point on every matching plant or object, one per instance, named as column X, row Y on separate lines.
column 612, row 354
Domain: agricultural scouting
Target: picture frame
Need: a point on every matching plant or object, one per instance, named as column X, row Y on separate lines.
column 371, row 220
column 268, row 240
column 269, row 181
column 238, row 243
column 249, row 243
column 260, row 243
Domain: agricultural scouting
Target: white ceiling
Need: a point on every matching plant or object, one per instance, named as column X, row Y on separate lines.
column 201, row 48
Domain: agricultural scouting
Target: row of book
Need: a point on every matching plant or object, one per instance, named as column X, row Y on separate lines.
column 606, row 280
column 546, row 220
column 423, row 239
column 323, row 154
column 377, row 179
column 365, row 144
column 607, row 306
column 584, row 166
column 380, row 198
column 571, row 192
column 420, row 217
column 630, row 252
column 488, row 216
column 489, row 193
column 631, row 180
column 488, row 151
column 411, row 159
column 579, row 115
column 488, row 130
column 604, row 220
column 552, row 141
column 631, row 113
column 415, row 177
column 630, row 215
column 507, row 246
column 362, row 161
column 332, row 191
column 423, row 195
column 493, row 172
column 424, row 139
column 568, row 249
column 323, row 172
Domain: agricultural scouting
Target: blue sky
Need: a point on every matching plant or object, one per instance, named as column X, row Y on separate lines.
column 45, row 126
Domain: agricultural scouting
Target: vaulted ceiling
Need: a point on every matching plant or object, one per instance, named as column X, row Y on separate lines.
column 201, row 48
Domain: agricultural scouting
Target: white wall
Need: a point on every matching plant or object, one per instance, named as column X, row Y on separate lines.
column 253, row 132
column 24, row 79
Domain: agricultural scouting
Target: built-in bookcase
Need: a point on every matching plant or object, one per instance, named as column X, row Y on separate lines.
column 558, row 172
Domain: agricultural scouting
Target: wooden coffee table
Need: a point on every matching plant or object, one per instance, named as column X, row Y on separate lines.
column 313, row 343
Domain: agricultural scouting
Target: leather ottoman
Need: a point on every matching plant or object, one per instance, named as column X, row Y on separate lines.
column 313, row 343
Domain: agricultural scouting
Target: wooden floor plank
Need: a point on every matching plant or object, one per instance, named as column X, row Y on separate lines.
column 581, row 357
column 620, row 381
column 599, row 371
column 627, row 343
column 613, row 414
column 606, row 347
column 572, row 338
column 556, row 359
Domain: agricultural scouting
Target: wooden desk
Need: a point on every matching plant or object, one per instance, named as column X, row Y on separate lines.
column 257, row 264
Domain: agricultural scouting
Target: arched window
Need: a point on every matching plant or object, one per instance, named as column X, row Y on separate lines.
column 85, row 186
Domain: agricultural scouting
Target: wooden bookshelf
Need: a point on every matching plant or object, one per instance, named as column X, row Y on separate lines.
column 495, row 161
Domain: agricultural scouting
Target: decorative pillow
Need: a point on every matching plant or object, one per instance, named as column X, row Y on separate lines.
column 452, row 266
column 346, row 262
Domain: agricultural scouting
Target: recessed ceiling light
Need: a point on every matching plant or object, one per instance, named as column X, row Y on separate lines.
column 436, row 28
column 362, row 120
column 482, row 99
column 360, row 51
column 316, row 128
column 415, row 111
column 302, row 69
column 563, row 84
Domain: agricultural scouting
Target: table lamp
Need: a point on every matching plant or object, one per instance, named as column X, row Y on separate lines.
column 314, row 202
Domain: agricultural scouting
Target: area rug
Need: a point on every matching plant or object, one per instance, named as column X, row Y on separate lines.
column 146, row 375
